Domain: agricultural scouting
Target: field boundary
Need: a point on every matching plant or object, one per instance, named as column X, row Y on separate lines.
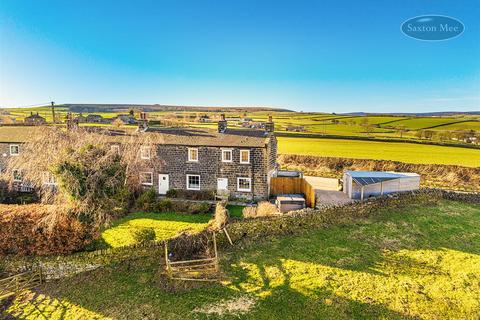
column 373, row 139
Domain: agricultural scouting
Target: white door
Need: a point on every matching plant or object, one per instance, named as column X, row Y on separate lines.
column 163, row 183
column 222, row 184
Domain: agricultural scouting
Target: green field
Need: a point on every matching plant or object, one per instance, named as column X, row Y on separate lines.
column 412, row 263
column 371, row 126
column 165, row 225
column 404, row 152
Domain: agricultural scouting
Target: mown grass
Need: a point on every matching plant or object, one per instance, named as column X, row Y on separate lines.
column 412, row 263
column 404, row 152
column 165, row 225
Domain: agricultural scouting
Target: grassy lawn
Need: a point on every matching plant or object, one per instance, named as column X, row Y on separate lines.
column 413, row 263
column 404, row 152
column 166, row 225
column 235, row 211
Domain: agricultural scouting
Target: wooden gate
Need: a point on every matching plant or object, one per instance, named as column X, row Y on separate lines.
column 19, row 282
column 206, row 269
column 289, row 185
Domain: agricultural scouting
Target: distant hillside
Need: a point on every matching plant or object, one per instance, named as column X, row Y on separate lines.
column 73, row 107
column 420, row 114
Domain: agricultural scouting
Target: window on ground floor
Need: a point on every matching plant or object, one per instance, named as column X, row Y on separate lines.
column 244, row 184
column 146, row 178
column 193, row 182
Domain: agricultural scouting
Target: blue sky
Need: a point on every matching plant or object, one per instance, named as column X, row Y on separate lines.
column 331, row 56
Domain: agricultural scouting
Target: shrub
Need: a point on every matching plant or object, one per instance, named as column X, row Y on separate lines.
column 191, row 207
column 144, row 235
column 41, row 230
column 266, row 208
column 249, row 212
column 263, row 209
column 191, row 194
column 164, row 205
column 147, row 200
column 172, row 193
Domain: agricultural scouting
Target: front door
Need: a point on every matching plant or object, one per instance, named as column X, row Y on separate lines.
column 163, row 183
column 222, row 184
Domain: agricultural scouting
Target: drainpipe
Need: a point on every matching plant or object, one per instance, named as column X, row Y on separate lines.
column 253, row 176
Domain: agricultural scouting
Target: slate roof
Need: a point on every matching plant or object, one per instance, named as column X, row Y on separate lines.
column 168, row 136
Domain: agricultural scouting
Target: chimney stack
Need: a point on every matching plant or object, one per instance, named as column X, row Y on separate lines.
column 269, row 125
column 222, row 124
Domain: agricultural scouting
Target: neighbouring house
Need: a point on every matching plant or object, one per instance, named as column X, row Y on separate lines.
column 94, row 118
column 295, row 128
column 35, row 119
column 126, row 118
column 80, row 118
column 236, row 161
column 365, row 184
column 204, row 118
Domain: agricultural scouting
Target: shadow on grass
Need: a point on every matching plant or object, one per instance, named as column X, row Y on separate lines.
column 370, row 269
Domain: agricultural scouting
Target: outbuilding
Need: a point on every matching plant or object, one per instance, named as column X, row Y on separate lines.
column 365, row 184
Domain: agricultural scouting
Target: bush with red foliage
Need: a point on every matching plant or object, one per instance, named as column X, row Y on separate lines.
column 33, row 230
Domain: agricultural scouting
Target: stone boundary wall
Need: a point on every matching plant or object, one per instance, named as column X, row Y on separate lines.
column 301, row 221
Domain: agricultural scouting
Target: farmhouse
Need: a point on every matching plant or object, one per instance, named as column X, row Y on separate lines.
column 234, row 161
column 35, row 119
column 94, row 118
column 365, row 184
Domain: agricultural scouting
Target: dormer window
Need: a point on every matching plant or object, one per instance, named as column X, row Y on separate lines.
column 14, row 149
column 145, row 152
column 193, row 154
column 227, row 155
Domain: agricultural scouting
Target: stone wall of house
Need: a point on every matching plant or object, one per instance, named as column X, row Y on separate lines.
column 173, row 160
column 5, row 153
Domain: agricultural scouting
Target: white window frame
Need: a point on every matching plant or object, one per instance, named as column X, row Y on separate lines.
column 199, row 181
column 145, row 149
column 146, row 183
column 244, row 150
column 249, row 182
column 46, row 175
column 189, row 155
column 115, row 148
column 18, row 149
column 224, row 151
column 19, row 172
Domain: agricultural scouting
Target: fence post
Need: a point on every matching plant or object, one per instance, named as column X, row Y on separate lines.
column 216, row 252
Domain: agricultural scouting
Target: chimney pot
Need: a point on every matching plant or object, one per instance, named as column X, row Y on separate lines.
column 222, row 124
column 270, row 126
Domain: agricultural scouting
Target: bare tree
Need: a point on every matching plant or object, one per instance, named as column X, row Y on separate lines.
column 80, row 170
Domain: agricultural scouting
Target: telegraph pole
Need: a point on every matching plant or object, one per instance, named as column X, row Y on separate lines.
column 53, row 111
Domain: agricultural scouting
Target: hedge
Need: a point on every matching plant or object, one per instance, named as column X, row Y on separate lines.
column 32, row 230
